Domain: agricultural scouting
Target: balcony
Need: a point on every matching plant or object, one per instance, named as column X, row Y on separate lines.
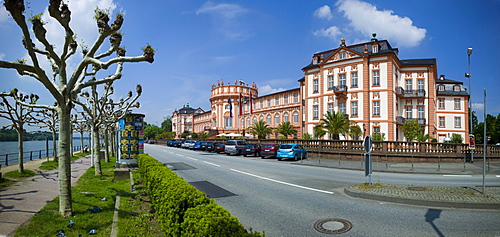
column 400, row 120
column 402, row 93
column 340, row 89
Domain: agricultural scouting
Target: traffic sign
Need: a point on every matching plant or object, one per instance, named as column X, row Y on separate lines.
column 367, row 144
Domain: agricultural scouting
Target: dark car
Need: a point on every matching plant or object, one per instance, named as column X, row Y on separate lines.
column 203, row 146
column 268, row 150
column 219, row 147
column 252, row 149
column 210, row 147
column 171, row 142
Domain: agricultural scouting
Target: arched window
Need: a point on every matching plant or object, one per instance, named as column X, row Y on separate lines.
column 285, row 117
column 261, row 118
column 269, row 119
column 255, row 119
column 295, row 117
column 243, row 123
column 277, row 119
column 248, row 122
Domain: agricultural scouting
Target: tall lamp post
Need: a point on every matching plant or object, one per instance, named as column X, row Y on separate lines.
column 468, row 75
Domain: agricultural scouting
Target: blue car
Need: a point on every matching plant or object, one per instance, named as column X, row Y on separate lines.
column 291, row 151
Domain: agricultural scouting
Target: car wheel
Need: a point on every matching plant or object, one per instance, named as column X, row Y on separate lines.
column 227, row 154
column 245, row 155
column 296, row 157
column 262, row 157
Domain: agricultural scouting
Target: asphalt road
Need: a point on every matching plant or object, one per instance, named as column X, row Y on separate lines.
column 287, row 200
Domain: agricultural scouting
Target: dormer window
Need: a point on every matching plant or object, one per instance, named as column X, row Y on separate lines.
column 375, row 49
column 440, row 87
column 456, row 88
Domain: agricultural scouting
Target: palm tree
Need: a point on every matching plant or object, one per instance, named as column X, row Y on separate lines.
column 335, row 124
column 319, row 131
column 355, row 132
column 286, row 129
column 260, row 128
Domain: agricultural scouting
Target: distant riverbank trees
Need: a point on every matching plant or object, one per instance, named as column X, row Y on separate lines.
column 11, row 135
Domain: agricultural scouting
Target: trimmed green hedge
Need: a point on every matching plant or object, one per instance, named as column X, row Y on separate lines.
column 182, row 209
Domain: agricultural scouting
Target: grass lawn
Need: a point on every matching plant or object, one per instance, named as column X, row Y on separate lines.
column 135, row 216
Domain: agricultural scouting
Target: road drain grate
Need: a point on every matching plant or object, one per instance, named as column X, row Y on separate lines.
column 333, row 226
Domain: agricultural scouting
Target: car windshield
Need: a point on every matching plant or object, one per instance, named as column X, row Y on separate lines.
column 231, row 143
column 285, row 146
column 268, row 146
column 250, row 145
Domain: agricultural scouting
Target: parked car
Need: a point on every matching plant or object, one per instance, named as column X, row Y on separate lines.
column 210, row 147
column 196, row 146
column 235, row 147
column 252, row 149
column 269, row 150
column 171, row 142
column 291, row 151
column 219, row 147
column 151, row 141
column 203, row 146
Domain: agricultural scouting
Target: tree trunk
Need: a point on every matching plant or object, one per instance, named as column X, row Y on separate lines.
column 96, row 149
column 106, row 145
column 20, row 149
column 65, row 200
column 54, row 146
column 81, row 141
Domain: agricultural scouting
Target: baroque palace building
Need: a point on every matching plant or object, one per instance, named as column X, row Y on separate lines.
column 366, row 81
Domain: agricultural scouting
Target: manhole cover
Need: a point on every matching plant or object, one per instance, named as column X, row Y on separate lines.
column 416, row 188
column 333, row 226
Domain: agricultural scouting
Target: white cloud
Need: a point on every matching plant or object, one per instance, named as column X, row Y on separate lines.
column 366, row 18
column 332, row 32
column 324, row 12
column 267, row 89
column 4, row 15
column 2, row 55
column 225, row 10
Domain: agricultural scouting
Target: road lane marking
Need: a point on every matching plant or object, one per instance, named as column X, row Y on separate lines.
column 456, row 175
column 498, row 176
column 281, row 182
column 191, row 158
column 211, row 163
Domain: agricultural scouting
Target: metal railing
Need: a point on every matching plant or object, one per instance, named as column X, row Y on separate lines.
column 13, row 158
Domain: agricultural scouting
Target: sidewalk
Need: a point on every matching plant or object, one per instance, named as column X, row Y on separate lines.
column 454, row 197
column 22, row 199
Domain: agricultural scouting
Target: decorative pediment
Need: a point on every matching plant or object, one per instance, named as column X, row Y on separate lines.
column 354, row 95
column 341, row 54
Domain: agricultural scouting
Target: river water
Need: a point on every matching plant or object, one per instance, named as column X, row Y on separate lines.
column 32, row 150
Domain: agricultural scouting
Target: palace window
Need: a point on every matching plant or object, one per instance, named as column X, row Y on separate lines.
column 277, row 101
column 421, row 112
column 277, row 119
column 228, row 123
column 296, row 98
column 408, row 112
column 354, row 79
column 458, row 122
column 376, row 78
column 315, row 112
column 409, row 85
column 285, row 117
column 440, row 87
column 342, row 107
column 315, row 86
column 342, row 80
column 330, row 82
column 269, row 119
column 376, row 108
column 354, row 109
column 420, row 85
column 268, row 102
column 457, row 103
column 441, row 122
column 295, row 117
column 286, row 99
column 441, row 103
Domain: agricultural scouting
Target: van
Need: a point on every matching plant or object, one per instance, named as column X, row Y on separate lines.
column 234, row 147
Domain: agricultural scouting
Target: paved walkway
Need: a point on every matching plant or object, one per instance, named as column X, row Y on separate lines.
column 21, row 200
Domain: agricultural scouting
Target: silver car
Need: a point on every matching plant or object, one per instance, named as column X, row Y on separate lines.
column 235, row 147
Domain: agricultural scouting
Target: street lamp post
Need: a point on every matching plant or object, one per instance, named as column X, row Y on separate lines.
column 468, row 75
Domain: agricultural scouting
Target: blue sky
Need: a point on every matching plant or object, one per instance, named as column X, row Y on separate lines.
column 268, row 42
